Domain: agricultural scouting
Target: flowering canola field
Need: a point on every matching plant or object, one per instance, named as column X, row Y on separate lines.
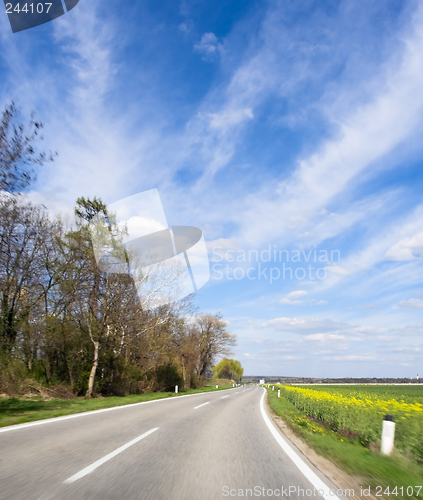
column 361, row 409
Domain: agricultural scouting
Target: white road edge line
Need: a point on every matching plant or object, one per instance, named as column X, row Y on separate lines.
column 199, row 406
column 92, row 412
column 302, row 466
column 106, row 458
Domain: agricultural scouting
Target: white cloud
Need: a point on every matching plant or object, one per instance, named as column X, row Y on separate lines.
column 404, row 349
column 351, row 358
column 338, row 270
column 407, row 249
column 229, row 117
column 185, row 27
column 304, row 325
column 292, row 297
column 285, row 300
column 296, row 294
column 209, row 46
column 325, row 337
column 321, row 302
column 411, row 303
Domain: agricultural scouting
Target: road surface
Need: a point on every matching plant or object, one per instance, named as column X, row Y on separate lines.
column 199, row 447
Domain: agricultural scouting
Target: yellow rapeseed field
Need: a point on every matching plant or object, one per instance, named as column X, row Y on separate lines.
column 360, row 410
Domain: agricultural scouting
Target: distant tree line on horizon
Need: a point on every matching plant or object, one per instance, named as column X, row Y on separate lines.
column 63, row 321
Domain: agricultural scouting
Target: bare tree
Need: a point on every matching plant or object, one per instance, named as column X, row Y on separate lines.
column 187, row 344
column 17, row 152
column 214, row 340
column 26, row 232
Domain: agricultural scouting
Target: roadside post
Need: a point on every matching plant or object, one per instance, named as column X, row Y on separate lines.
column 273, row 387
column 217, row 386
column 279, row 393
column 176, row 389
column 388, row 435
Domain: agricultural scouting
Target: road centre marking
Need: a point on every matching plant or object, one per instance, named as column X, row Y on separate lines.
column 106, row 458
column 199, row 406
column 223, row 397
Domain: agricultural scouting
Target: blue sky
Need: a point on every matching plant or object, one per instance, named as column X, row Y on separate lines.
column 294, row 126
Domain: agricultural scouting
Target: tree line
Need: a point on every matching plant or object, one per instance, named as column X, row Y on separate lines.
column 63, row 320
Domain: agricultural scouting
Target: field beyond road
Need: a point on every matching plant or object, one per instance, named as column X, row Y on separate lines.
column 344, row 424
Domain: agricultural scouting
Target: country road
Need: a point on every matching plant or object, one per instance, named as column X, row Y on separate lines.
column 204, row 446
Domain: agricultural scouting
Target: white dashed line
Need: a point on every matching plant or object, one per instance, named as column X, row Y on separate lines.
column 106, row 458
column 199, row 406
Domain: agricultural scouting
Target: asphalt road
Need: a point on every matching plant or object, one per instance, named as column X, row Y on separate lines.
column 206, row 446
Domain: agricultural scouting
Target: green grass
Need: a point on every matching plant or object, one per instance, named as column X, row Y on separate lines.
column 20, row 410
column 350, row 455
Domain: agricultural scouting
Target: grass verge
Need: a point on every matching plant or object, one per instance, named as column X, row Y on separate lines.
column 21, row 410
column 373, row 469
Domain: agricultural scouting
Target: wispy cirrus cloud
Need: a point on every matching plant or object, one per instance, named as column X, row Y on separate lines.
column 366, row 133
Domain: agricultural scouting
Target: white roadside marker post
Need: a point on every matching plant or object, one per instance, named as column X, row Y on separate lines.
column 217, row 386
column 176, row 389
column 388, row 435
column 273, row 387
column 279, row 393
